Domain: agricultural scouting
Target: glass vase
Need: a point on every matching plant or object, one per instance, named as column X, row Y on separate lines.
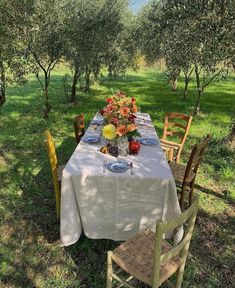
column 123, row 145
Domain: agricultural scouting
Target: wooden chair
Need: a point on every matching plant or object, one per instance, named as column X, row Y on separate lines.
column 55, row 169
column 150, row 259
column 174, row 128
column 185, row 176
column 79, row 127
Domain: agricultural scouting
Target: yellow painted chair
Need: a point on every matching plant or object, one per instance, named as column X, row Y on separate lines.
column 56, row 170
column 148, row 258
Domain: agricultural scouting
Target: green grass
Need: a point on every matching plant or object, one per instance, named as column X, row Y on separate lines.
column 30, row 254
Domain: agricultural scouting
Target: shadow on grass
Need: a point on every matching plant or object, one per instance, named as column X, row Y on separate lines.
column 222, row 195
column 29, row 229
column 212, row 251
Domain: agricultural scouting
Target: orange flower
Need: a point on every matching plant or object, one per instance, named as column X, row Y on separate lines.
column 131, row 127
column 114, row 107
column 134, row 108
column 121, row 130
column 124, row 111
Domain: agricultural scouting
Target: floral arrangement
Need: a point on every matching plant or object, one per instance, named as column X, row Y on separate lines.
column 119, row 116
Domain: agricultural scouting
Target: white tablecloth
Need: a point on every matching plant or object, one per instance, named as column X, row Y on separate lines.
column 115, row 205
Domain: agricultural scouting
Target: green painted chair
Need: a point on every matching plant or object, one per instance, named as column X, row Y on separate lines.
column 149, row 258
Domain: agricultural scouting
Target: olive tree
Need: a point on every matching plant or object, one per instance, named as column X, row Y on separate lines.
column 213, row 30
column 193, row 36
column 44, row 38
column 91, row 30
column 12, row 49
column 123, row 52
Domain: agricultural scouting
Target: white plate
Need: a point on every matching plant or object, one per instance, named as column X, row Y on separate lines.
column 98, row 122
column 118, row 166
column 148, row 141
column 91, row 139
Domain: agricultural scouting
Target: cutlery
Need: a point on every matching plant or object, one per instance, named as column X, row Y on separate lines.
column 132, row 171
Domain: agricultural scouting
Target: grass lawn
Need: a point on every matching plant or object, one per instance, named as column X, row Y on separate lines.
column 30, row 253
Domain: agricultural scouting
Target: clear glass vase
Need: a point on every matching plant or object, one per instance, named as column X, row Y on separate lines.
column 123, row 145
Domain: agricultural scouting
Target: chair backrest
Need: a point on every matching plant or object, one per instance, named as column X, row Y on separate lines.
column 195, row 158
column 177, row 125
column 79, row 126
column 181, row 250
column 50, row 146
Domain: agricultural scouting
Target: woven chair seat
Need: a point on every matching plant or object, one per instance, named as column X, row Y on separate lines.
column 59, row 172
column 135, row 256
column 178, row 172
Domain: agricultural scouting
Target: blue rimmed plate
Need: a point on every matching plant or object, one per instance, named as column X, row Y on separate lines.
column 98, row 122
column 118, row 166
column 91, row 139
column 148, row 141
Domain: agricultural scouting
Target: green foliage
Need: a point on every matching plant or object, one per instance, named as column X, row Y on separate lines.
column 190, row 34
column 12, row 48
column 97, row 34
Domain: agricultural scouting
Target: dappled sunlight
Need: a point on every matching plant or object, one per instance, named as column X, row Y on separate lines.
column 27, row 190
column 115, row 205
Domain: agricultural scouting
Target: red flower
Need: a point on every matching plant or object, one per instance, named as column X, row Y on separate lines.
column 115, row 120
column 102, row 112
column 131, row 118
column 109, row 100
column 133, row 100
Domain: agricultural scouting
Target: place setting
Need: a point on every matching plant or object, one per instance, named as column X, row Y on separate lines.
column 118, row 166
column 91, row 139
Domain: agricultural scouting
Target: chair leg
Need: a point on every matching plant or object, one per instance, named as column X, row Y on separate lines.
column 171, row 154
column 109, row 270
column 191, row 194
column 180, row 274
column 178, row 153
column 180, row 271
column 182, row 197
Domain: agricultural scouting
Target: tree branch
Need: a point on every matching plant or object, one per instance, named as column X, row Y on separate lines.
column 213, row 77
column 37, row 60
column 37, row 76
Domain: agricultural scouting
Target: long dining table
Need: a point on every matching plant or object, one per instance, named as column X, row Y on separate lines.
column 108, row 205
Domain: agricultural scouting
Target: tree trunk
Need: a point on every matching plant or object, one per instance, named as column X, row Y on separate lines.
column 47, row 107
column 185, row 88
column 2, row 85
column 73, row 98
column 197, row 106
column 174, row 83
column 96, row 72
column 174, row 78
column 110, row 72
column 200, row 92
column 87, row 77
